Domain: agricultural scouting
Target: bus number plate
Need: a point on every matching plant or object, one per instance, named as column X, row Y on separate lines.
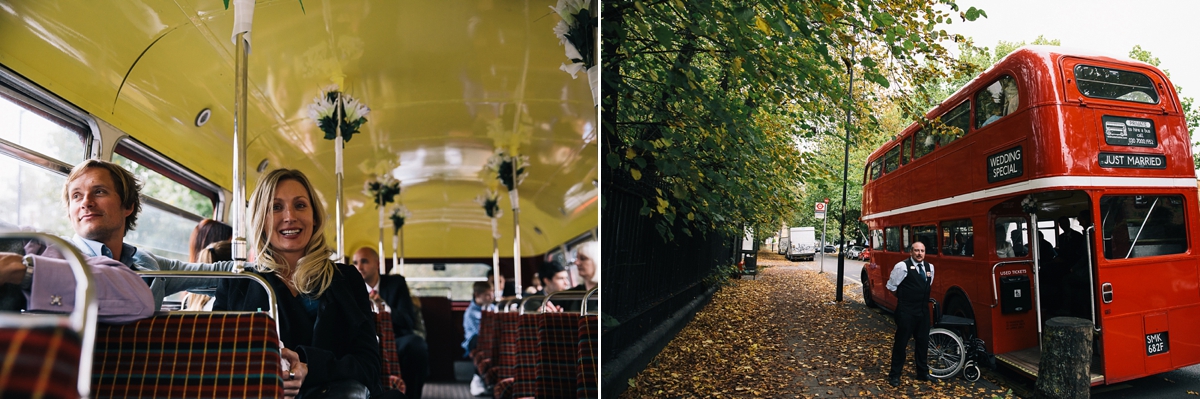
column 1157, row 343
column 1138, row 161
column 1131, row 132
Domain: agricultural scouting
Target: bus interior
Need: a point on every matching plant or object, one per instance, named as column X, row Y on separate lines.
column 151, row 85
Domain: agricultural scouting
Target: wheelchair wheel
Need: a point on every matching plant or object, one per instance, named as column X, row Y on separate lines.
column 971, row 371
column 947, row 355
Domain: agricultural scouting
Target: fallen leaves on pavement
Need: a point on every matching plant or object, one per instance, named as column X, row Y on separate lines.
column 782, row 336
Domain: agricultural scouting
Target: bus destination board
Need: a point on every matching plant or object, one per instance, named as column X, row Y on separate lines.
column 1138, row 161
column 1005, row 165
column 1129, row 132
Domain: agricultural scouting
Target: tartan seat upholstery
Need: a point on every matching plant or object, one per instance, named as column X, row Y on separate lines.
column 506, row 352
column 485, row 344
column 589, row 339
column 187, row 355
column 40, row 362
column 557, row 370
column 387, row 347
column 525, row 369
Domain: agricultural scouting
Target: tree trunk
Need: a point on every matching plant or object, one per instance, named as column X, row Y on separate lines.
column 1064, row 370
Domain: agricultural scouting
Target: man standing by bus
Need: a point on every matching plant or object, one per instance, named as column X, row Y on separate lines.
column 910, row 280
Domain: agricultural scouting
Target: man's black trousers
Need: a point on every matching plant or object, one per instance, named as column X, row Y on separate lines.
column 910, row 323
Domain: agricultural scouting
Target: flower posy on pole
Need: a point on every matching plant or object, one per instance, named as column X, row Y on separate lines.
column 382, row 189
column 491, row 206
column 576, row 32
column 399, row 215
column 510, row 171
column 339, row 116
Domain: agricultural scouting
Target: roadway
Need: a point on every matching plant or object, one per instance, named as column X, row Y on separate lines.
column 1181, row 383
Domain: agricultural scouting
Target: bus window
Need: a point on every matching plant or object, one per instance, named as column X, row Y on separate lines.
column 452, row 280
column 995, row 101
column 1010, row 237
column 891, row 160
column 1136, row 226
column 926, row 235
column 892, row 239
column 905, row 147
column 170, row 210
column 957, row 121
column 1115, row 84
column 876, row 171
column 904, row 235
column 958, row 238
column 876, row 239
column 37, row 150
column 925, row 143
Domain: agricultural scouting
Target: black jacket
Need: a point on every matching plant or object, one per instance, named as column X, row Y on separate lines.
column 341, row 344
column 913, row 292
column 394, row 291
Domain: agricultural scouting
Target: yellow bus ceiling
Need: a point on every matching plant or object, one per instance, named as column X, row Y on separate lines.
column 435, row 74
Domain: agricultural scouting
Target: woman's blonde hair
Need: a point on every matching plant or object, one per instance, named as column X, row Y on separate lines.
column 315, row 271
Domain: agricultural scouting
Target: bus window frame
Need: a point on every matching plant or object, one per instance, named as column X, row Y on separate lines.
column 906, row 150
column 920, row 230
column 1158, row 97
column 891, row 160
column 891, row 234
column 143, row 155
column 950, row 117
column 923, row 134
column 950, row 228
column 980, row 124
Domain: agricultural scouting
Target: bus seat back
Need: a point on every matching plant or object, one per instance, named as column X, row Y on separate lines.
column 589, row 343
column 558, row 355
column 40, row 362
column 189, row 355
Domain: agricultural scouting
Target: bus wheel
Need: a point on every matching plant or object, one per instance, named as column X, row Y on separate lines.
column 866, row 287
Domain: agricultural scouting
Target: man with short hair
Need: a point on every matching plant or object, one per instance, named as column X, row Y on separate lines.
column 103, row 203
column 910, row 280
column 391, row 291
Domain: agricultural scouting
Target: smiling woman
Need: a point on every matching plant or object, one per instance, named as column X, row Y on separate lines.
column 150, row 85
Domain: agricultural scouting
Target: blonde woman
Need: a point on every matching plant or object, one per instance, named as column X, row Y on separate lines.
column 326, row 324
column 587, row 260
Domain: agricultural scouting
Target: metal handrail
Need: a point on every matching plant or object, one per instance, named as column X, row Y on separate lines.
column 583, row 310
column 1087, row 238
column 272, row 303
column 82, row 318
column 995, row 290
column 568, row 294
column 521, row 305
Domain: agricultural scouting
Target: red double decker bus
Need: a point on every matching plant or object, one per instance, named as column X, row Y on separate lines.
column 1056, row 184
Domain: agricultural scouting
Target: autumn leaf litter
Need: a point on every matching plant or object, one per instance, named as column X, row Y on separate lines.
column 782, row 336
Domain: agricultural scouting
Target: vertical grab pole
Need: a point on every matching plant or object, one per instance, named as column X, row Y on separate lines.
column 238, row 244
column 1087, row 235
column 1034, row 244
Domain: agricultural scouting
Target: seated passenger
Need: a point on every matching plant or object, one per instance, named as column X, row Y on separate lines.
column 103, row 202
column 325, row 319
column 481, row 299
column 392, row 292
column 1004, row 248
column 203, row 248
column 535, row 286
column 49, row 285
column 587, row 260
column 554, row 279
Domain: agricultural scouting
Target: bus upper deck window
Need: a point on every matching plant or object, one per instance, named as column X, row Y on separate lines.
column 1115, row 84
column 956, row 122
column 891, row 160
column 924, row 143
column 996, row 101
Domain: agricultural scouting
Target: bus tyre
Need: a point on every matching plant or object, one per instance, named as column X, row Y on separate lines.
column 866, row 287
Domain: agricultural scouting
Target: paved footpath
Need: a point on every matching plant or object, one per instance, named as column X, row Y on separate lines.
column 782, row 336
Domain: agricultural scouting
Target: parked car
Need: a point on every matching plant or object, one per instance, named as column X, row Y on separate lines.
column 830, row 249
column 865, row 255
column 854, row 251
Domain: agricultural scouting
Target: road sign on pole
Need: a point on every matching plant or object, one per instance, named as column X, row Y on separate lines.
column 820, row 210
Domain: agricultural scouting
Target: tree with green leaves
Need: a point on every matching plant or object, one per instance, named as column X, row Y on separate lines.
column 1190, row 112
column 715, row 103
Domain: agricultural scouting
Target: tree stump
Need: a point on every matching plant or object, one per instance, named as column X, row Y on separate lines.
column 1064, row 369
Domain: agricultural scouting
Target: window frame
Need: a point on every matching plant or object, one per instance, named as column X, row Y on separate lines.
column 1153, row 88
column 979, row 121
column 147, row 157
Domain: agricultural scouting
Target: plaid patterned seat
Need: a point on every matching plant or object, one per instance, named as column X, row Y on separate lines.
column 387, row 346
column 589, row 340
column 557, row 372
column 485, row 343
column 506, row 353
column 40, row 362
column 525, row 370
column 189, row 355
